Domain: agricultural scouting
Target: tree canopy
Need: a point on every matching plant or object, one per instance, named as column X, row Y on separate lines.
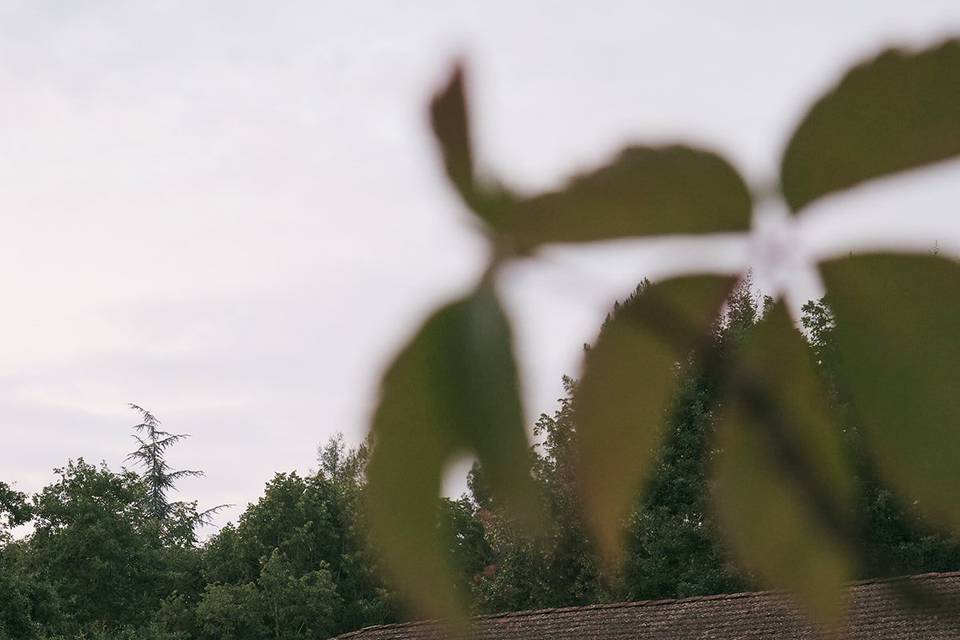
column 101, row 561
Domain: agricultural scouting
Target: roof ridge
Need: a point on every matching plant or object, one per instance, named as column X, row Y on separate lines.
column 916, row 576
column 630, row 604
column 389, row 625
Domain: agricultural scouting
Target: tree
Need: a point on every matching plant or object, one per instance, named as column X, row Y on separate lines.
column 465, row 538
column 297, row 606
column 308, row 526
column 231, row 612
column 559, row 567
column 161, row 479
column 672, row 547
column 16, row 601
column 895, row 541
column 93, row 542
column 99, row 565
column 14, row 509
column 281, row 603
column 27, row 603
column 95, row 559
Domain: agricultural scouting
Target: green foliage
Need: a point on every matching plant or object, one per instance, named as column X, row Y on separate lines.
column 151, row 455
column 451, row 127
column 282, row 603
column 672, row 545
column 453, row 389
column 231, row 612
column 890, row 114
column 656, row 329
column 782, row 457
column 307, row 533
column 454, row 386
column 95, row 541
column 893, row 541
column 175, row 618
column 694, row 422
column 175, row 519
column 556, row 568
column 670, row 542
column 643, row 191
column 466, row 543
column 903, row 395
column 295, row 516
column 97, row 545
column 296, row 565
column 26, row 601
column 673, row 540
column 895, row 112
column 14, row 508
column 297, row 606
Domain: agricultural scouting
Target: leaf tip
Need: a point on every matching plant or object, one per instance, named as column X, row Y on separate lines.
column 448, row 119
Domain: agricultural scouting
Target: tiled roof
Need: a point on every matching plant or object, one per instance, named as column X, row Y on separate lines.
column 877, row 612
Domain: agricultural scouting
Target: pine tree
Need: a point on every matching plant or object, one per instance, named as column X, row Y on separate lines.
column 160, row 478
column 151, row 455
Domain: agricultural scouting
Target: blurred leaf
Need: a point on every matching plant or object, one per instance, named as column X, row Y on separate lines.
column 782, row 491
column 451, row 127
column 644, row 191
column 629, row 380
column 452, row 389
column 897, row 332
column 448, row 115
column 896, row 112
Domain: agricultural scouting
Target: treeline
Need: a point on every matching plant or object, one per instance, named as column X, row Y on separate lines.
column 110, row 557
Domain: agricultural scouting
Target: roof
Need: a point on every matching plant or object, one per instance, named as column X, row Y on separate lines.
column 877, row 612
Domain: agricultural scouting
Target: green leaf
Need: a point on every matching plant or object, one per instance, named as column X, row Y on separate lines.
column 451, row 128
column 622, row 399
column 898, row 111
column 897, row 333
column 448, row 115
column 644, row 191
column 781, row 489
column 453, row 389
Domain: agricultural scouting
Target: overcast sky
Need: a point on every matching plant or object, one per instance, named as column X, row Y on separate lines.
column 232, row 214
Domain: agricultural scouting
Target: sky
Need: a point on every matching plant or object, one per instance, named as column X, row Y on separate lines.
column 232, row 213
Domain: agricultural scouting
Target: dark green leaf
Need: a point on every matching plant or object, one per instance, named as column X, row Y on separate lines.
column 448, row 115
column 782, row 491
column 452, row 389
column 896, row 112
column 629, row 380
column 451, row 127
column 643, row 191
column 897, row 331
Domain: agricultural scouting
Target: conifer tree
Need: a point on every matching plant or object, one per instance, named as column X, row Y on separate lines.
column 151, row 456
column 160, row 478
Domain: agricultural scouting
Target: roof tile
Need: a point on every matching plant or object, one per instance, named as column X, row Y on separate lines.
column 877, row 612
